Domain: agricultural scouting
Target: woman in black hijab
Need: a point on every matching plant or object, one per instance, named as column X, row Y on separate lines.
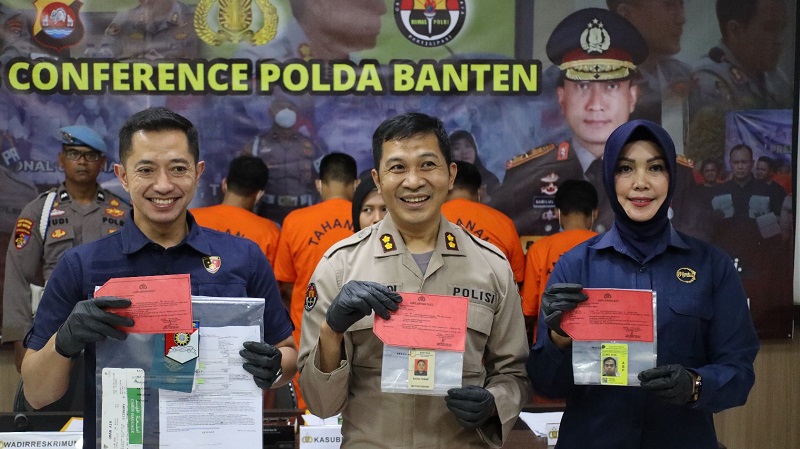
column 705, row 339
column 368, row 205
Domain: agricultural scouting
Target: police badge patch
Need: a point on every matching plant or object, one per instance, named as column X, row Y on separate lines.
column 212, row 263
column 311, row 297
column 22, row 232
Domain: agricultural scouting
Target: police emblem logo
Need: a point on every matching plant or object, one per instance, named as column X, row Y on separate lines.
column 430, row 23
column 58, row 233
column 686, row 275
column 212, row 263
column 311, row 297
column 22, row 232
column 595, row 38
column 387, row 242
column 114, row 212
column 233, row 21
column 450, row 241
column 57, row 23
column 114, row 203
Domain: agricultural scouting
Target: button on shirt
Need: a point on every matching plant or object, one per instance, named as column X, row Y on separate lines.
column 243, row 272
column 703, row 325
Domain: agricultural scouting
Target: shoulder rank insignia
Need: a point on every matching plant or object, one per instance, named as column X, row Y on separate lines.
column 563, row 151
column 532, row 154
column 387, row 242
column 311, row 297
column 450, row 241
column 685, row 161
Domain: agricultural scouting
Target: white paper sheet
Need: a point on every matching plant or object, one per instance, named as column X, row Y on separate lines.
column 224, row 408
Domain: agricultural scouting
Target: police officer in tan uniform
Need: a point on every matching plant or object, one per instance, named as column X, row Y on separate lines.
column 152, row 30
column 290, row 158
column 75, row 212
column 414, row 249
column 597, row 52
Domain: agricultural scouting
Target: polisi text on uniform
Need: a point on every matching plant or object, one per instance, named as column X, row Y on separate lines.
column 474, row 293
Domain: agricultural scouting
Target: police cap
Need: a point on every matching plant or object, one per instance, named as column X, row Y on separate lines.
column 83, row 137
column 596, row 44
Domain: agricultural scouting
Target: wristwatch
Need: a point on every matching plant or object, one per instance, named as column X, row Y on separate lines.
column 698, row 384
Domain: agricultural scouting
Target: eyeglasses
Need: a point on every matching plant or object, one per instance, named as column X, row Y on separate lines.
column 90, row 156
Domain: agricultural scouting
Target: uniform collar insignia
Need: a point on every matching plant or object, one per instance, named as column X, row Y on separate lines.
column 450, row 241
column 102, row 196
column 64, row 196
column 387, row 243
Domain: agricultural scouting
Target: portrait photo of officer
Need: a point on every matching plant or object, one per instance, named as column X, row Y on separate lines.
column 597, row 52
column 77, row 211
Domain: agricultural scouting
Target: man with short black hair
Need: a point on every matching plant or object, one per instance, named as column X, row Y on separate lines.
column 576, row 207
column 242, row 188
column 160, row 168
column 413, row 249
column 309, row 231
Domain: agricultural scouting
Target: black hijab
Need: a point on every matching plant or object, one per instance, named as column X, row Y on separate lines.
column 642, row 237
column 366, row 185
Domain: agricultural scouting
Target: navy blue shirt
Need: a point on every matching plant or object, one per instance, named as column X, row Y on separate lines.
column 243, row 271
column 704, row 325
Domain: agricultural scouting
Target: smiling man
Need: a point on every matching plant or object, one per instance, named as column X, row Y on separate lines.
column 413, row 249
column 77, row 211
column 160, row 166
column 597, row 52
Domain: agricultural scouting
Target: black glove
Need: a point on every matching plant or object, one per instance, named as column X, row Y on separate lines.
column 263, row 362
column 558, row 298
column 358, row 299
column 89, row 323
column 472, row 405
column 672, row 383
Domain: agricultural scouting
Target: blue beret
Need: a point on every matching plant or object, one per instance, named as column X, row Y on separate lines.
column 83, row 137
column 596, row 44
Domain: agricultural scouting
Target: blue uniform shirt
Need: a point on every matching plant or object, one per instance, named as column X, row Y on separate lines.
column 243, row 272
column 704, row 325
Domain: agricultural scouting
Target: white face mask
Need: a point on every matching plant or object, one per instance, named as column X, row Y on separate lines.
column 286, row 118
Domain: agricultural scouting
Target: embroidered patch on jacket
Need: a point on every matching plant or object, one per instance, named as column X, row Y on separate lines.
column 114, row 203
column 22, row 232
column 311, row 297
column 686, row 275
column 450, row 241
column 58, row 233
column 114, row 212
column 212, row 263
column 387, row 241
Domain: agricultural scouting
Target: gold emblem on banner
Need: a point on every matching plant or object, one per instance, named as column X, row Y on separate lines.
column 233, row 21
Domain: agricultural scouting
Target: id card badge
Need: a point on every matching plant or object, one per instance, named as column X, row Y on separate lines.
column 421, row 369
column 122, row 408
column 614, row 364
